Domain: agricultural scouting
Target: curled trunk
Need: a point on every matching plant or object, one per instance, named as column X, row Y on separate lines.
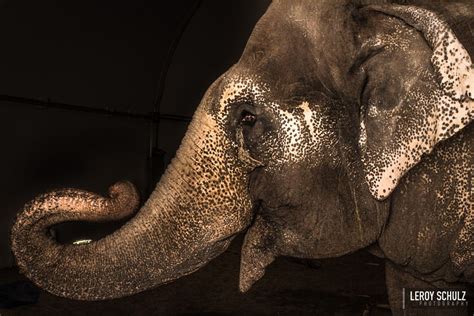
column 185, row 223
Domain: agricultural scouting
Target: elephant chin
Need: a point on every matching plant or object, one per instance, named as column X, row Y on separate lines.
column 257, row 253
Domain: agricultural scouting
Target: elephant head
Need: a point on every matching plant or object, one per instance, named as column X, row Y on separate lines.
column 302, row 142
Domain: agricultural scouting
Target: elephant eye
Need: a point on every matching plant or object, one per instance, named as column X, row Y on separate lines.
column 247, row 118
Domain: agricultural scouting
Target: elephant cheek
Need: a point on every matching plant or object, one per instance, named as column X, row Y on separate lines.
column 258, row 251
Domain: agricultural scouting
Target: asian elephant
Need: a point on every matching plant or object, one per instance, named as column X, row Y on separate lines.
column 345, row 124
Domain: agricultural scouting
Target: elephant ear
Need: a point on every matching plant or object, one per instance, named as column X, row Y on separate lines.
column 430, row 103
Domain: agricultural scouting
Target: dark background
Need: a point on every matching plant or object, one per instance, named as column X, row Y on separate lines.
column 137, row 56
column 64, row 67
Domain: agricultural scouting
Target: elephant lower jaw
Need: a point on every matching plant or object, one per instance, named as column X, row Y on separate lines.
column 201, row 258
column 196, row 262
column 257, row 253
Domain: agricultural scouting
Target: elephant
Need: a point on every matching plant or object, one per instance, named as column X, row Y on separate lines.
column 344, row 125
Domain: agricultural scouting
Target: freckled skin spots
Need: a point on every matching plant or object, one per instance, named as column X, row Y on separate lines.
column 448, row 109
column 450, row 59
column 401, row 124
column 191, row 217
column 301, row 131
column 323, row 146
column 444, row 211
column 308, row 118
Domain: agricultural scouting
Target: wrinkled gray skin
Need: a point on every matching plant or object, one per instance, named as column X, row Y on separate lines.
column 343, row 125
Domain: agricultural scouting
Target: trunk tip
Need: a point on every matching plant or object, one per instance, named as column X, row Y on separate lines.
column 126, row 195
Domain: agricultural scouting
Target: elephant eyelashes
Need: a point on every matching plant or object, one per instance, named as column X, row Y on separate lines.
column 247, row 118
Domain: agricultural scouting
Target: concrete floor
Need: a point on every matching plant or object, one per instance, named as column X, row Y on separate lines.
column 351, row 285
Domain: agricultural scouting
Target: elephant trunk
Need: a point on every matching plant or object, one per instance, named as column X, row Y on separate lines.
column 188, row 220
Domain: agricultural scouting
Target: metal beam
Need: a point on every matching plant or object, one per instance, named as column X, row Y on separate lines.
column 48, row 104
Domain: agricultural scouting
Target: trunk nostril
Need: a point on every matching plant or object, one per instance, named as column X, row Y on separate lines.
column 125, row 199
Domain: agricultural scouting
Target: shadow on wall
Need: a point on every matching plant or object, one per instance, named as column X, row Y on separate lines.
column 91, row 54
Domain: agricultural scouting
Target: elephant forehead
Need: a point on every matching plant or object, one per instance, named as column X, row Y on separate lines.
column 259, row 90
column 242, row 89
